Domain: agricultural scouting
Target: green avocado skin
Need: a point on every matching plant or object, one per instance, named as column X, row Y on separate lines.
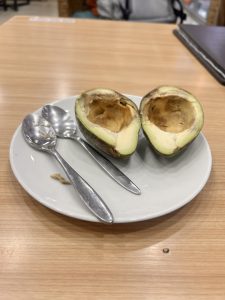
column 178, row 150
column 97, row 143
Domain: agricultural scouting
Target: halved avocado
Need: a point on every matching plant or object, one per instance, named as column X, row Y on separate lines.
column 109, row 121
column 171, row 119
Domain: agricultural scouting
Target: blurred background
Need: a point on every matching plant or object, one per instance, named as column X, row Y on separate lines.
column 197, row 11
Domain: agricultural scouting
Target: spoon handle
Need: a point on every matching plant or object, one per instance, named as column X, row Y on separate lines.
column 92, row 200
column 110, row 168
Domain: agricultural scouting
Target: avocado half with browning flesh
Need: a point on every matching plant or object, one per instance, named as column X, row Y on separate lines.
column 109, row 121
column 171, row 119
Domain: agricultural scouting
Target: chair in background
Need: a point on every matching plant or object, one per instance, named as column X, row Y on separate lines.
column 3, row 4
column 68, row 7
column 14, row 4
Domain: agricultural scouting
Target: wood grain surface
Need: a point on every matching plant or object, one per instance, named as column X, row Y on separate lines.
column 44, row 255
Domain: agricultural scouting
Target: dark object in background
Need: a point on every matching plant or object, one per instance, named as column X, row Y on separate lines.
column 14, row 4
column 3, row 4
column 207, row 43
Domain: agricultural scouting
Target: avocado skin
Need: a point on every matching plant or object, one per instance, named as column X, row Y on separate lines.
column 97, row 143
column 177, row 151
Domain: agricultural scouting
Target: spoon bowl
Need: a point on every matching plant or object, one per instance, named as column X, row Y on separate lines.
column 61, row 121
column 38, row 133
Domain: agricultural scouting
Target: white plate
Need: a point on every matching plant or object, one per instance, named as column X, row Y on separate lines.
column 166, row 184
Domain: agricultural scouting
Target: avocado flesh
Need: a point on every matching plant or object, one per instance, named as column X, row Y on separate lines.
column 109, row 121
column 171, row 119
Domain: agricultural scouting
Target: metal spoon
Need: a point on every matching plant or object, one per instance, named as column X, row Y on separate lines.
column 65, row 127
column 39, row 134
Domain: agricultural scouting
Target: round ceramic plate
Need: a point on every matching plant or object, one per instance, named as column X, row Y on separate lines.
column 166, row 184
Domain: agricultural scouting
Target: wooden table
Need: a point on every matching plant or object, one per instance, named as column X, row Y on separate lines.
column 44, row 255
